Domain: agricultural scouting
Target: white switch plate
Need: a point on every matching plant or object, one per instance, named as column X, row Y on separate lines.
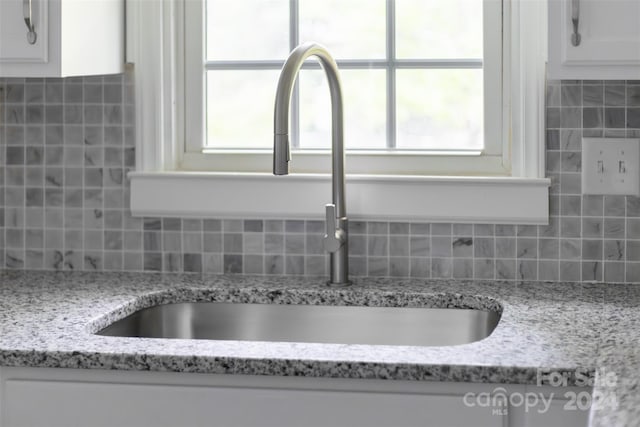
column 611, row 166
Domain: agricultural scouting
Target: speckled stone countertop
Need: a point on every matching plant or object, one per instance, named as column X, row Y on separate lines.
column 48, row 320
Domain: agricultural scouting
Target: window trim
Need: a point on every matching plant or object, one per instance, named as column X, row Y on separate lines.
column 369, row 197
column 153, row 42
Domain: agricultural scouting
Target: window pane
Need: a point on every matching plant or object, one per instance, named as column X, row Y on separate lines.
column 353, row 29
column 247, row 29
column 240, row 108
column 364, row 109
column 440, row 109
column 439, row 29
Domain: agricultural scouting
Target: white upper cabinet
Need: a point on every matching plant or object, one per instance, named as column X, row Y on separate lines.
column 604, row 45
column 69, row 37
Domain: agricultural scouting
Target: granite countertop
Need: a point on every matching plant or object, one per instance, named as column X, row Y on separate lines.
column 48, row 319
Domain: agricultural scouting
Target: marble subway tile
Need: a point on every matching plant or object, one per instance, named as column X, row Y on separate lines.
column 593, row 117
column 274, row 226
column 484, row 269
column 506, row 269
column 172, row 262
column 593, row 95
column 191, row 242
column 441, row 246
column 399, row 266
column 441, row 268
column 357, row 266
column 570, row 271
column 614, row 228
column 633, row 118
column 133, row 261
column 484, row 247
column 571, row 95
column 462, row 268
column 378, row 246
column 592, row 227
column 462, row 247
column 549, row 271
column 505, row 247
column 357, row 245
column 274, row 243
column 315, row 265
column 592, row 271
column 378, row 266
column 112, row 261
column 294, row 265
column 192, row 262
column 614, row 272
column 399, row 246
column 527, row 270
column 592, row 249
column 378, row 228
column 396, row 228
column 212, row 242
column 294, row 243
column 213, row 263
column 253, row 243
column 614, row 95
column 273, row 264
column 549, row 248
column 256, row 226
column 252, row 264
column 419, row 246
column 614, row 250
column 552, row 139
column 171, row 241
column 419, row 267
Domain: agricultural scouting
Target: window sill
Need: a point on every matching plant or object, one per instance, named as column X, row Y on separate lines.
column 498, row 200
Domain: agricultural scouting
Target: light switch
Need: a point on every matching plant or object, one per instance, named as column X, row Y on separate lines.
column 611, row 166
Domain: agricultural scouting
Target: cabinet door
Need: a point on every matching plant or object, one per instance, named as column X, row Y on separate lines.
column 609, row 39
column 59, row 403
column 14, row 46
column 74, row 38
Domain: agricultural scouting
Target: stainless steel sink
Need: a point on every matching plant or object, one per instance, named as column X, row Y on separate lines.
column 308, row 323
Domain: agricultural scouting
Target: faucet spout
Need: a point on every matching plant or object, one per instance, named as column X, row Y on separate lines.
column 336, row 241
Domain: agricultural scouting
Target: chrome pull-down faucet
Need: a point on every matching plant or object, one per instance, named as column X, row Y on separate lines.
column 336, row 237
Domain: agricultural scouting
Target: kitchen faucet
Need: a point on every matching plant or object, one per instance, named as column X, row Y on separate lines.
column 336, row 236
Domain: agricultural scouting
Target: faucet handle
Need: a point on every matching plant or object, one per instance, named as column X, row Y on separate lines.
column 332, row 238
column 331, row 221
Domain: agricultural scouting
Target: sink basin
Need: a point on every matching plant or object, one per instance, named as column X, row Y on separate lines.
column 308, row 323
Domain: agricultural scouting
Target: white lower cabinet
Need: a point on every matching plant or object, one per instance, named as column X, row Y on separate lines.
column 94, row 398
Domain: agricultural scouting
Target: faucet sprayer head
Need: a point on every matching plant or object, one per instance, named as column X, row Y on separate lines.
column 281, row 155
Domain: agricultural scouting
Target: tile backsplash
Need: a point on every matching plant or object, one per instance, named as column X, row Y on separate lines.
column 67, row 145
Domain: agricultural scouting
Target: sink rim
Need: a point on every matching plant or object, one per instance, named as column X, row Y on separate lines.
column 444, row 300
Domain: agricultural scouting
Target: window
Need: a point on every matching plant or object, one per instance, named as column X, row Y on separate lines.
column 413, row 84
column 501, row 182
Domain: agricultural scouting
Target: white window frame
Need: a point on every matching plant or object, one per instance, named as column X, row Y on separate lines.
column 161, row 187
column 489, row 161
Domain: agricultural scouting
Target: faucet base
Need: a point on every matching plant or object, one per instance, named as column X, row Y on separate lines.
column 339, row 285
column 339, row 260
